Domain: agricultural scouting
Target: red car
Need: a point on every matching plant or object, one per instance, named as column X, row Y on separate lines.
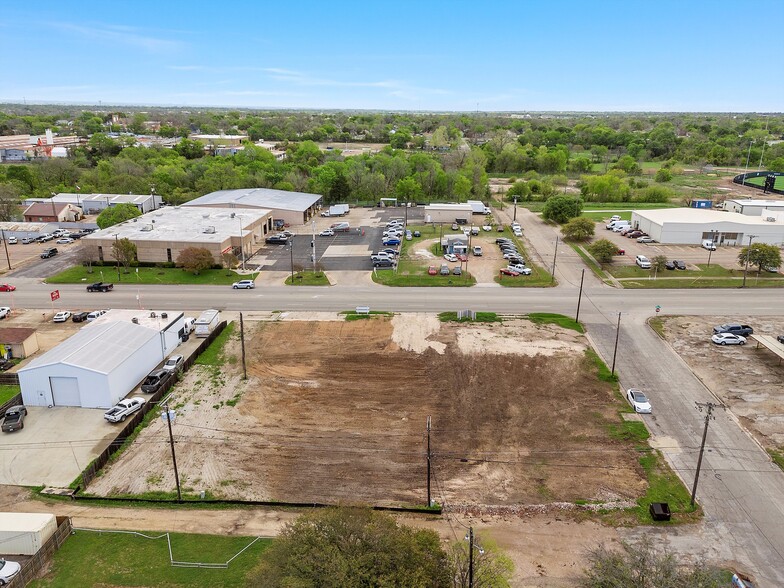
column 462, row 256
column 432, row 270
column 7, row 288
column 507, row 272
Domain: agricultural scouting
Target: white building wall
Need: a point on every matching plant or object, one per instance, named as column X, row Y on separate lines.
column 693, row 233
column 133, row 370
column 646, row 225
column 37, row 391
column 436, row 214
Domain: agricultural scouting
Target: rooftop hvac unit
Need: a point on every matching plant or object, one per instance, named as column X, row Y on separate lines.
column 209, row 230
column 770, row 219
column 146, row 228
column 233, row 215
column 135, row 321
column 205, row 215
column 164, row 315
column 153, row 315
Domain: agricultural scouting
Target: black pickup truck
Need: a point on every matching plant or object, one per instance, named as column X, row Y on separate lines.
column 100, row 287
column 735, row 329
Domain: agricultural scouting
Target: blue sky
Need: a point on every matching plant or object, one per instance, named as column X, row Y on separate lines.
column 653, row 55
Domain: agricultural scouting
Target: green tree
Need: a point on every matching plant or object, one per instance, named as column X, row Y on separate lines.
column 9, row 202
column 654, row 194
column 579, row 165
column 562, row 208
column 352, row 548
column 578, row 229
column 519, row 190
column 760, row 255
column 663, row 175
column 628, row 165
column 116, row 214
column 340, row 190
column 603, row 250
column 190, row 149
column 605, row 188
column 659, row 262
column 492, row 568
column 642, row 566
column 408, row 190
column 195, row 259
column 124, row 251
column 137, row 123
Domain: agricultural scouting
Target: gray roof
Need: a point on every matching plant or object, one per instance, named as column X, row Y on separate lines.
column 99, row 348
column 258, row 198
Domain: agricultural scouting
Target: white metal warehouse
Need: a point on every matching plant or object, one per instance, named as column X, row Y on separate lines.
column 448, row 213
column 753, row 207
column 294, row 208
column 94, row 368
column 691, row 226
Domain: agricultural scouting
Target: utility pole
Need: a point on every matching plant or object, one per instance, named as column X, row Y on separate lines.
column 5, row 243
column 291, row 253
column 713, row 244
column 168, row 416
column 470, row 557
column 555, row 254
column 615, row 351
column 429, row 457
column 313, row 244
column 514, row 216
column 242, row 341
column 709, row 406
column 743, row 183
column 116, row 254
column 748, row 255
column 579, row 298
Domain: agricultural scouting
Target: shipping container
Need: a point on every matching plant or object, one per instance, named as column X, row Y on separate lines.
column 25, row 533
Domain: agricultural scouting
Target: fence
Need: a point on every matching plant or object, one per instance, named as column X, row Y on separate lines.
column 33, row 566
column 9, row 379
column 744, row 180
column 89, row 473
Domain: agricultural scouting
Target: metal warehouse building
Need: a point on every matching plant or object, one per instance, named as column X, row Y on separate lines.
column 690, row 226
column 294, row 208
column 448, row 213
column 95, row 203
column 97, row 366
column 160, row 236
column 753, row 207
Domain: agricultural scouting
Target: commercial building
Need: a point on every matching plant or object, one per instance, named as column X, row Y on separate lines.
column 95, row 203
column 22, row 230
column 294, row 208
column 97, row 366
column 691, row 226
column 161, row 236
column 454, row 243
column 753, row 207
column 17, row 342
column 52, row 212
column 448, row 213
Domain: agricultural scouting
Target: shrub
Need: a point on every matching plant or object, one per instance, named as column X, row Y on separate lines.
column 578, row 229
column 562, row 208
column 603, row 250
column 663, row 175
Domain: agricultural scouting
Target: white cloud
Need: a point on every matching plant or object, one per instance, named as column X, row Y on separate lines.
column 118, row 34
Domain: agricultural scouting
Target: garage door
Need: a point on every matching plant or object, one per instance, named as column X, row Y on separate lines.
column 65, row 391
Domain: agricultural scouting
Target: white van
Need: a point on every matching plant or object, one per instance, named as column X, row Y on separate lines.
column 613, row 223
column 709, row 245
column 621, row 225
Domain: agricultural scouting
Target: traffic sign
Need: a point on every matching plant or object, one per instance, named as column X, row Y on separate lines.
column 658, row 308
column 55, row 295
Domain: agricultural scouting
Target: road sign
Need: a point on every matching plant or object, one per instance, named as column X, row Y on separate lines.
column 55, row 295
column 658, row 308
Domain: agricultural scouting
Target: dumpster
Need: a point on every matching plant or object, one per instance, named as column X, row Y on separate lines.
column 660, row 511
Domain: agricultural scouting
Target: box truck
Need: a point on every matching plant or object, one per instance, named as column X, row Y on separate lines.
column 478, row 207
column 206, row 323
column 23, row 533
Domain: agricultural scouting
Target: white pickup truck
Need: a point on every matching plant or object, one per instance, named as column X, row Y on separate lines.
column 122, row 409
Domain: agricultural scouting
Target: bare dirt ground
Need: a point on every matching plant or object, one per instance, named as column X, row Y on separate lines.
column 747, row 379
column 335, row 411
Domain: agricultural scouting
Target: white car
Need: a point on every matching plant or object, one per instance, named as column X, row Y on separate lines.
column 728, row 339
column 244, row 284
column 120, row 411
column 8, row 570
column 4, row 311
column 64, row 241
column 95, row 314
column 450, row 257
column 638, row 400
column 62, row 316
column 12, row 241
column 487, row 228
column 643, row 262
column 327, row 233
column 644, row 239
column 520, row 269
column 174, row 363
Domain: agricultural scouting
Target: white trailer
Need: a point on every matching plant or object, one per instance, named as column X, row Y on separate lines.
column 23, row 533
column 206, row 323
column 338, row 209
column 478, row 207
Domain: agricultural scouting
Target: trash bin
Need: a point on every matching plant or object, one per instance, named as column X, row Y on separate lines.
column 660, row 511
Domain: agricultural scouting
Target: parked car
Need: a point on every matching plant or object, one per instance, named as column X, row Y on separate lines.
column 462, row 256
column 477, row 250
column 520, row 269
column 276, row 240
column 444, row 271
column 123, row 409
column 94, row 315
column 455, row 226
column 155, row 381
column 670, row 265
column 417, row 234
column 638, row 400
column 487, row 228
column 79, row 317
column 12, row 241
column 14, row 419
column 27, row 240
column 508, row 272
column 62, row 316
column 8, row 570
column 780, row 338
column 327, row 233
column 500, row 228
column 457, row 271
column 643, row 262
column 244, row 285
column 390, row 251
column 734, row 328
column 51, row 252
column 64, row 241
column 384, row 263
column 390, row 241
column 709, row 245
column 381, row 257
column 6, row 364
column 615, row 217
column 4, row 311
column 644, row 239
column 432, row 271
column 728, row 339
column 7, row 288
column 517, row 232
column 450, row 257
column 681, row 265
column 100, row 287
column 174, row 363
column 634, row 234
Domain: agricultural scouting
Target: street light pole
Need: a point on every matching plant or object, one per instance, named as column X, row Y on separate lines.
column 291, row 253
column 579, row 298
column 242, row 245
column 748, row 255
column 514, row 217
column 713, row 244
column 555, row 254
column 5, row 243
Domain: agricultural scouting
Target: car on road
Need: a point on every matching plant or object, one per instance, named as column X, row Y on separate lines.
column 728, row 339
column 444, row 271
column 4, row 311
column 643, row 262
column 174, row 363
column 450, row 257
column 276, row 240
column 8, row 570
column 681, row 265
column 123, row 409
column 638, row 400
column 79, row 317
column 47, row 253
column 64, row 241
column 327, row 233
column 100, row 287
column 62, row 316
column 644, row 239
column 244, row 285
column 14, row 419
column 7, row 288
column 734, row 328
column 432, row 271
column 155, row 380
column 457, row 271
column 12, row 241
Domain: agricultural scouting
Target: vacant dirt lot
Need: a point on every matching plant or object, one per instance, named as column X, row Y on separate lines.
column 335, row 411
column 747, row 379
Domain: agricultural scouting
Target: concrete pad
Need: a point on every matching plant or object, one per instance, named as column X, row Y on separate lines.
column 361, row 250
column 54, row 447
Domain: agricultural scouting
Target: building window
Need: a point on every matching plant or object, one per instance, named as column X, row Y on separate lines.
column 100, row 253
column 168, row 255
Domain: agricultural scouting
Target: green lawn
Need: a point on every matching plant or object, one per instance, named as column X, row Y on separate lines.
column 7, row 392
column 117, row 559
column 309, row 279
column 145, row 275
column 714, row 276
column 543, row 318
column 779, row 185
column 213, row 355
column 539, row 278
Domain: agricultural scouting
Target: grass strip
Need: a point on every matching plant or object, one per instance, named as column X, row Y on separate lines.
column 543, row 318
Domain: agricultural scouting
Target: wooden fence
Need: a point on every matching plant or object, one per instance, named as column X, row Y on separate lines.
column 40, row 561
column 89, row 473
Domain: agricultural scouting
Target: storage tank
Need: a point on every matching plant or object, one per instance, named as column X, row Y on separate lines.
column 25, row 533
